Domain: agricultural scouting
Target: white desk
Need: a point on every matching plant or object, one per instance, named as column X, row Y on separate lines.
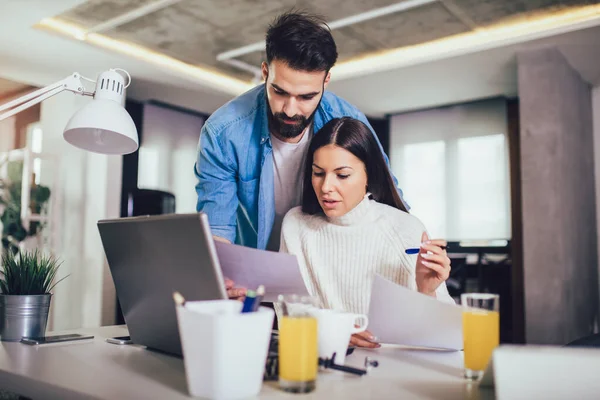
column 100, row 370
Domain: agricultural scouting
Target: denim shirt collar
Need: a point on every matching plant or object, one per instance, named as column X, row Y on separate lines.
column 261, row 110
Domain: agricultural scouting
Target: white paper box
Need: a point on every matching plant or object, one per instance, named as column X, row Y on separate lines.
column 224, row 350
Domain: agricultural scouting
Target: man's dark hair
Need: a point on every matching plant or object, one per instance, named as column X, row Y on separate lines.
column 303, row 41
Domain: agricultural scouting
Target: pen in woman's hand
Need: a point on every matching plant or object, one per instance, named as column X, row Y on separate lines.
column 415, row 250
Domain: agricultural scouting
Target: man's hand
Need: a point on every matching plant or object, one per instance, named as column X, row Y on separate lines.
column 233, row 292
column 220, row 239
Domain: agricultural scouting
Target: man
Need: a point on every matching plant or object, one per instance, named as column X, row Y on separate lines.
column 251, row 149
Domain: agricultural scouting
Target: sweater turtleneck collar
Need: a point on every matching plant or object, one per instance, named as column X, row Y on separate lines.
column 356, row 215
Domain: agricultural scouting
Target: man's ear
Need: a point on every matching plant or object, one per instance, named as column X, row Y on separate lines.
column 327, row 78
column 265, row 70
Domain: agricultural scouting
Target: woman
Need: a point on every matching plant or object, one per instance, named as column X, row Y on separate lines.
column 353, row 225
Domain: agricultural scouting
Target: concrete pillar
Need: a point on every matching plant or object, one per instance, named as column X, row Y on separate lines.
column 596, row 118
column 559, row 213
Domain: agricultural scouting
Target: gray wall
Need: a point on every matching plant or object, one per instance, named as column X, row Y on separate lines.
column 559, row 212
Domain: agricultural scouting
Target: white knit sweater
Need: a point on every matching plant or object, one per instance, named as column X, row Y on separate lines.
column 340, row 256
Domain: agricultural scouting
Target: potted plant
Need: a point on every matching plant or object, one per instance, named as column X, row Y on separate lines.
column 26, row 282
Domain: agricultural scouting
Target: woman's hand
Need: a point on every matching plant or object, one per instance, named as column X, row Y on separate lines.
column 364, row 339
column 433, row 265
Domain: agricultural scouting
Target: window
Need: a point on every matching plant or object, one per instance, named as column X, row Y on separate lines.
column 422, row 177
column 452, row 165
column 482, row 178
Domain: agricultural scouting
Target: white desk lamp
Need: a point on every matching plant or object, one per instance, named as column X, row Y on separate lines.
column 102, row 126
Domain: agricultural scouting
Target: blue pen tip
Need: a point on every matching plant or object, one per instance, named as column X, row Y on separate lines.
column 412, row 251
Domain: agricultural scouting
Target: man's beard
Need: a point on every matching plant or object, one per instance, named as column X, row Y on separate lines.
column 288, row 131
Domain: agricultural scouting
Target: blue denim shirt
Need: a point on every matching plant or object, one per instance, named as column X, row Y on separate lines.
column 235, row 165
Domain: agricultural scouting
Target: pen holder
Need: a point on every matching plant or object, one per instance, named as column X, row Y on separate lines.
column 224, row 350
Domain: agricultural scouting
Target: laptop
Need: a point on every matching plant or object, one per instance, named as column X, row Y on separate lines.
column 149, row 258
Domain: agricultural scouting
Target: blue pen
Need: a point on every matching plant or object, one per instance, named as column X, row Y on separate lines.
column 249, row 301
column 415, row 250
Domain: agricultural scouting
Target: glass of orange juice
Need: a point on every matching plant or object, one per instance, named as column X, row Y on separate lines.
column 298, row 348
column 481, row 331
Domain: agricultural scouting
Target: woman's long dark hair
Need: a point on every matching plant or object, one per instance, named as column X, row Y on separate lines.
column 356, row 137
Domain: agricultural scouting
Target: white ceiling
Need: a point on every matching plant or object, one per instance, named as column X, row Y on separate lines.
column 36, row 57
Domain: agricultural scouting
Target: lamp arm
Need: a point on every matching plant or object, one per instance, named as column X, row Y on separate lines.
column 71, row 83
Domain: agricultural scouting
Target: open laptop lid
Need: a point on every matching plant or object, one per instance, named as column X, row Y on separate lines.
column 150, row 257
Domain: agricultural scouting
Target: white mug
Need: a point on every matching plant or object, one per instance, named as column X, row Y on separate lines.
column 335, row 329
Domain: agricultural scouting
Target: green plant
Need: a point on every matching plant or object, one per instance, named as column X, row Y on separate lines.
column 28, row 273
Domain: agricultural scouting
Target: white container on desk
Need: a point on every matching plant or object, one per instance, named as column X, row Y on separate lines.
column 224, row 350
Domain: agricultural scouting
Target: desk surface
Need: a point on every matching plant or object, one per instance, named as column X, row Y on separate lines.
column 100, row 370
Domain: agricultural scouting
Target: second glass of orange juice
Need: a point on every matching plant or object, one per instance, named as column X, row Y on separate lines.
column 481, row 331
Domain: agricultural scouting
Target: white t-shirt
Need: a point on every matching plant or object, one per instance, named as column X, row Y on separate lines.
column 288, row 168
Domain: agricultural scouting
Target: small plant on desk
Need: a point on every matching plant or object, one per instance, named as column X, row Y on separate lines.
column 26, row 281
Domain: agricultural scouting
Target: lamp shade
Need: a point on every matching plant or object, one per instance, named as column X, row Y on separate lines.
column 103, row 126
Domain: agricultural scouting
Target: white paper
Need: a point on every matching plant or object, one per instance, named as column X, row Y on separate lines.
column 249, row 268
column 398, row 315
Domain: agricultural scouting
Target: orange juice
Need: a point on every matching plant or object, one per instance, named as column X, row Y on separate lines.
column 481, row 334
column 298, row 350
